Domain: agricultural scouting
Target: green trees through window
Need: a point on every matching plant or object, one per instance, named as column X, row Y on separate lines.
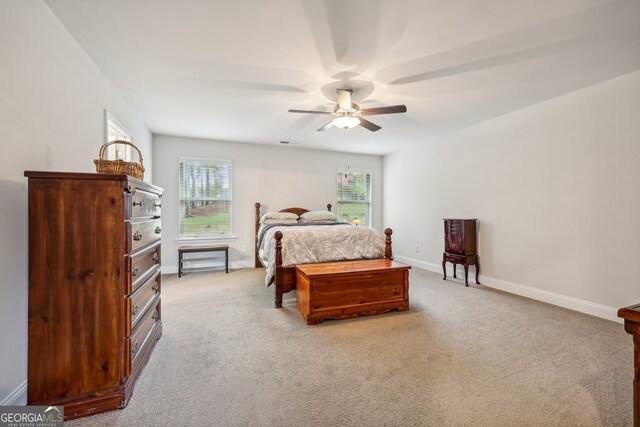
column 205, row 198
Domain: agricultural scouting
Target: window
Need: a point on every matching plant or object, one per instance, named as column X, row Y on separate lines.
column 354, row 196
column 116, row 131
column 205, row 198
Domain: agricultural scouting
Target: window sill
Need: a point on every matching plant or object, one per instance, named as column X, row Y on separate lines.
column 205, row 240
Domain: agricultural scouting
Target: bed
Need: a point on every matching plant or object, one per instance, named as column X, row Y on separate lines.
column 270, row 240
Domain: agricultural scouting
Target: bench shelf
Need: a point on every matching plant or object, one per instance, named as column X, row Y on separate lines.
column 201, row 249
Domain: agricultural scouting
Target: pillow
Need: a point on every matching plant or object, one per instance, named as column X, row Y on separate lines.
column 318, row 216
column 278, row 215
column 280, row 221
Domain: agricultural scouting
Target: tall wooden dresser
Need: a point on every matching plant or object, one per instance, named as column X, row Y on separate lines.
column 94, row 288
column 460, row 246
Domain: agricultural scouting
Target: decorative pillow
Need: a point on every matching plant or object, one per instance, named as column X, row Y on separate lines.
column 318, row 216
column 278, row 215
column 280, row 221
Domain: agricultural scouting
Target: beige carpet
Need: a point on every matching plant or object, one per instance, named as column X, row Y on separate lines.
column 460, row 357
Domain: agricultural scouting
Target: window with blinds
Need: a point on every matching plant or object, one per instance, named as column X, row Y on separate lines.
column 354, row 196
column 205, row 198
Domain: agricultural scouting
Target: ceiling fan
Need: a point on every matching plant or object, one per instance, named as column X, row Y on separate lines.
column 348, row 114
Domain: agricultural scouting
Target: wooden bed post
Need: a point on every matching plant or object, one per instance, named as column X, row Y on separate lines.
column 388, row 253
column 329, row 207
column 258, row 263
column 279, row 272
column 631, row 316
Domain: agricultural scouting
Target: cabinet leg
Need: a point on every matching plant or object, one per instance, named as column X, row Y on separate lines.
column 466, row 275
column 455, row 267
column 477, row 270
column 444, row 267
column 180, row 265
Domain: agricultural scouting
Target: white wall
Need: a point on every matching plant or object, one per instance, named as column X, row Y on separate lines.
column 277, row 177
column 52, row 101
column 555, row 187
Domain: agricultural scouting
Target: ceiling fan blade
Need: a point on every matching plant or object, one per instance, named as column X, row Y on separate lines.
column 310, row 111
column 325, row 127
column 368, row 125
column 344, row 98
column 384, row 110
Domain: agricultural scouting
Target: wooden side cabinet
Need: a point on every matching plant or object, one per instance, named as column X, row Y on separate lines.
column 631, row 316
column 460, row 246
column 94, row 288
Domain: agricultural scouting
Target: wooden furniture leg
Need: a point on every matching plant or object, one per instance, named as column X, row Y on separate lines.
column 454, row 270
column 258, row 264
column 278, row 278
column 631, row 316
column 466, row 275
column 179, row 264
column 444, row 266
column 477, row 269
column 278, row 298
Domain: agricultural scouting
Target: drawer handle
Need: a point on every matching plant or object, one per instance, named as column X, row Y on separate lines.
column 159, row 205
column 154, row 287
column 135, row 271
column 158, row 230
column 155, row 315
column 155, row 257
column 137, row 236
column 134, row 310
column 135, row 347
column 137, row 204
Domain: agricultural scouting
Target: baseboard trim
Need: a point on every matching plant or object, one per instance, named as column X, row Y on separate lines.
column 236, row 265
column 17, row 396
column 571, row 303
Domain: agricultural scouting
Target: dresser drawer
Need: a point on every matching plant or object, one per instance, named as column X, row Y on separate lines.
column 460, row 259
column 140, row 339
column 455, row 259
column 141, row 233
column 137, row 304
column 141, row 204
column 140, row 266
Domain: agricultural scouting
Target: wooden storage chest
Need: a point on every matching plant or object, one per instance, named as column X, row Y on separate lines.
column 343, row 290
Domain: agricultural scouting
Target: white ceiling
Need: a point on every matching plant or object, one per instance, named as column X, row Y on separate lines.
column 230, row 70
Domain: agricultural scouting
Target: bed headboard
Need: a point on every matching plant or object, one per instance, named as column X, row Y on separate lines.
column 297, row 211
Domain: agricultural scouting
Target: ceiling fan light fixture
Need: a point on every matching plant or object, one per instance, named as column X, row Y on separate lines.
column 346, row 122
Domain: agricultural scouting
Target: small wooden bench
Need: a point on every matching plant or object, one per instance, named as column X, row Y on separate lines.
column 347, row 289
column 193, row 249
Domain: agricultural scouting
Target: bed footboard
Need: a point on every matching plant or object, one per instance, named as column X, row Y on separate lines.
column 285, row 277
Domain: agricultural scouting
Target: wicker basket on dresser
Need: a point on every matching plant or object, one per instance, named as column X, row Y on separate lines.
column 94, row 288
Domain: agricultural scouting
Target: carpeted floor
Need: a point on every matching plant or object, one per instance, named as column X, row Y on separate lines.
column 460, row 357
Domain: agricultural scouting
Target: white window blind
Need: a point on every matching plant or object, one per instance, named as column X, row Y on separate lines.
column 354, row 196
column 205, row 198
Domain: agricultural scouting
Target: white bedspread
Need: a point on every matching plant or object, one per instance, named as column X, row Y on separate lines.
column 319, row 243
